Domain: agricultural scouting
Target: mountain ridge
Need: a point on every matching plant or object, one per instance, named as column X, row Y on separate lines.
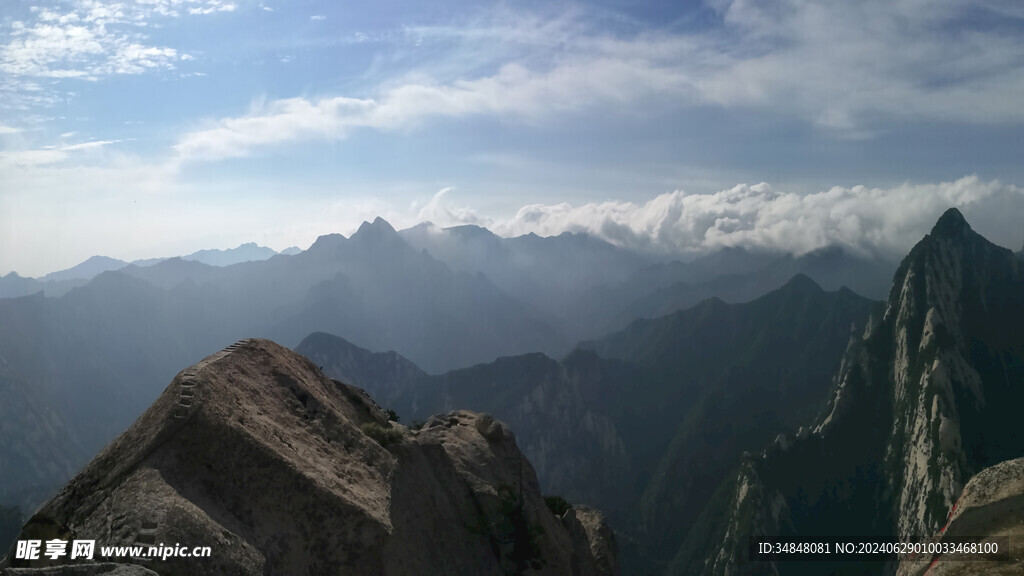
column 922, row 402
column 308, row 476
column 601, row 429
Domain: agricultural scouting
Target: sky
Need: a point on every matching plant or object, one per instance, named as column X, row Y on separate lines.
column 145, row 128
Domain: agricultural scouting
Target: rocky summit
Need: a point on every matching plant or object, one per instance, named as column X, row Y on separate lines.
column 991, row 506
column 281, row 470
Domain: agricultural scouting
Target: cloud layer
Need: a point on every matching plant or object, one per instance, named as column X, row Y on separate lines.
column 866, row 221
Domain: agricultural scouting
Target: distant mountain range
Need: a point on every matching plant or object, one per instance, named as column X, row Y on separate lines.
column 588, row 287
column 60, row 282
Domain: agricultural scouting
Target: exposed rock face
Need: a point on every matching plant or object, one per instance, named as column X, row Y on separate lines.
column 991, row 505
column 575, row 447
column 927, row 397
column 280, row 470
column 590, row 531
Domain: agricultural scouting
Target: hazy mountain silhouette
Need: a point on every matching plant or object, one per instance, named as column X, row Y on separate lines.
column 589, row 287
column 244, row 253
column 742, row 276
column 61, row 282
column 86, row 270
column 554, row 275
column 102, row 351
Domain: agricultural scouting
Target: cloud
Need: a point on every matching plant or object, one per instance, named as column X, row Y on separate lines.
column 867, row 221
column 213, row 6
column 5, row 129
column 843, row 68
column 513, row 93
column 49, row 154
column 317, row 17
column 88, row 40
column 443, row 213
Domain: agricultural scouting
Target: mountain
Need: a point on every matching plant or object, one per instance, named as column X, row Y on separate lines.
column 731, row 377
column 620, row 422
column 738, row 276
column 14, row 286
column 555, row 275
column 378, row 291
column 244, row 253
column 59, row 283
column 387, row 376
column 98, row 355
column 141, row 262
column 566, row 438
column 290, row 251
column 86, row 270
column 254, row 451
column 37, row 451
column 924, row 400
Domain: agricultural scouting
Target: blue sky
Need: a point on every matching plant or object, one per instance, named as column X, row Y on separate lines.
column 139, row 128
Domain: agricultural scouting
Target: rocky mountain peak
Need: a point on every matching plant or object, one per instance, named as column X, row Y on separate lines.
column 951, row 224
column 802, row 283
column 921, row 404
column 379, row 227
column 281, row 470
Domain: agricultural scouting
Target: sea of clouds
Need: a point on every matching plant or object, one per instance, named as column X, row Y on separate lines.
column 870, row 222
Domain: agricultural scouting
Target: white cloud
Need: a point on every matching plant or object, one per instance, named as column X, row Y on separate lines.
column 213, row 6
column 844, row 68
column 443, row 213
column 90, row 40
column 5, row 129
column 867, row 221
column 317, row 17
column 514, row 93
column 49, row 154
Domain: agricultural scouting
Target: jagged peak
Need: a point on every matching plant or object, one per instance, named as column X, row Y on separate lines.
column 803, row 283
column 378, row 225
column 951, row 224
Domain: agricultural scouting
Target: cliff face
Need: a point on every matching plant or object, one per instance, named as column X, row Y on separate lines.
column 280, row 470
column 990, row 506
column 925, row 399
